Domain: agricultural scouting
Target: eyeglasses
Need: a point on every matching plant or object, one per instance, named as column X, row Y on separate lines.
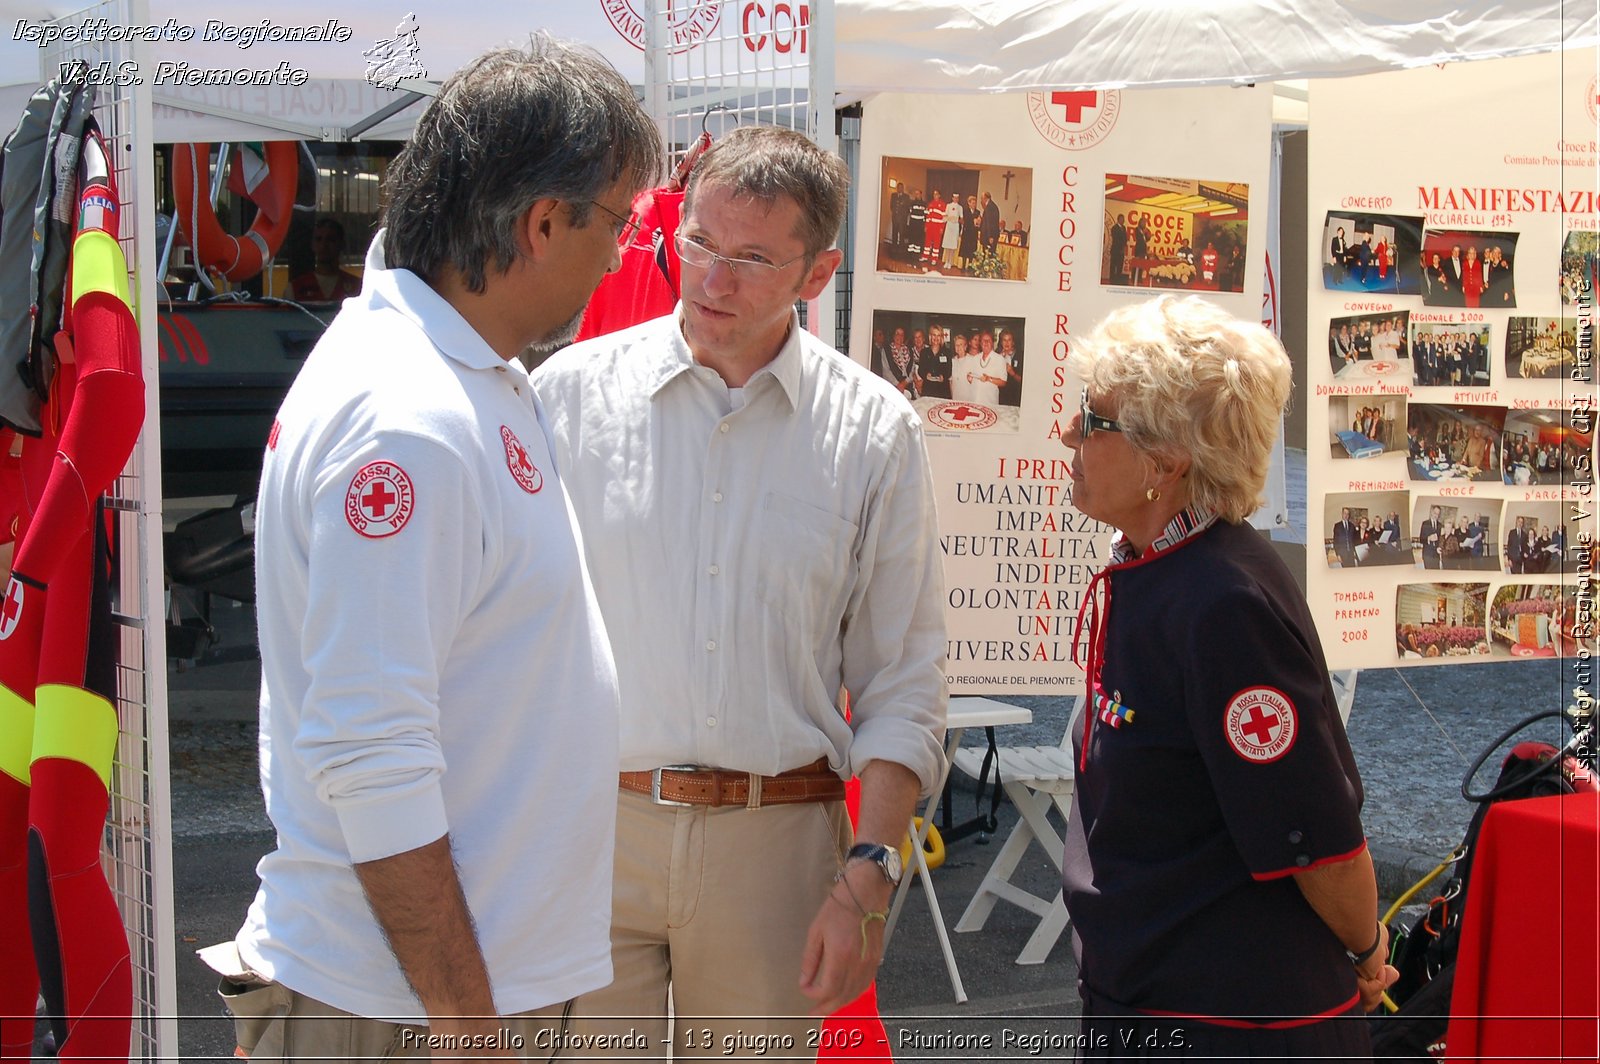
column 701, row 257
column 630, row 224
column 1089, row 421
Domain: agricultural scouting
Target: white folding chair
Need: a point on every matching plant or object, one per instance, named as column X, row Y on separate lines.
column 1036, row 779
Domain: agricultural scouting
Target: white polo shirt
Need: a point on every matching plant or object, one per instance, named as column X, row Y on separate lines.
column 433, row 661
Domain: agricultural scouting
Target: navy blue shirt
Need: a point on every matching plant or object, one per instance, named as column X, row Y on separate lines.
column 1232, row 773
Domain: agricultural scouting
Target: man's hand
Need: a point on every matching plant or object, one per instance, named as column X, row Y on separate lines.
column 417, row 899
column 835, row 969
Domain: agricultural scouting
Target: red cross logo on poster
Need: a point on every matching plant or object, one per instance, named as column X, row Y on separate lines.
column 1591, row 101
column 1260, row 724
column 1075, row 119
column 688, row 24
column 969, row 417
column 380, row 500
column 527, row 475
column 11, row 609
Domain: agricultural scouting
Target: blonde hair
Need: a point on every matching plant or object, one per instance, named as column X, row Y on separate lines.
column 1191, row 382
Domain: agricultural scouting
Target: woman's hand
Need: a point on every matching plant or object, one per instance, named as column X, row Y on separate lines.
column 1375, row 974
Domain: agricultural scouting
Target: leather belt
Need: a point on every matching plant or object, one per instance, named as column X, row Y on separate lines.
column 693, row 785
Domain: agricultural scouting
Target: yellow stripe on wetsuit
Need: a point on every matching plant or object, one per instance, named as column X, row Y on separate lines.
column 16, row 735
column 75, row 725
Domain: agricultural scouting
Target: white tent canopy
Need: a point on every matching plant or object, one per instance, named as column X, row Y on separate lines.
column 1015, row 45
column 917, row 45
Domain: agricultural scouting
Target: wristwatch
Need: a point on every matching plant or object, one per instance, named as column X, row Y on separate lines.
column 1358, row 959
column 887, row 858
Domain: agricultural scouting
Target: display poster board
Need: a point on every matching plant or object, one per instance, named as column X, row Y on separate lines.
column 1453, row 230
column 994, row 231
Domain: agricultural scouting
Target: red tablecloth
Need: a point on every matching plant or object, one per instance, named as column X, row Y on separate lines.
column 1528, row 977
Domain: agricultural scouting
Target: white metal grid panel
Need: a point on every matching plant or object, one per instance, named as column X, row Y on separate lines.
column 137, row 846
column 713, row 64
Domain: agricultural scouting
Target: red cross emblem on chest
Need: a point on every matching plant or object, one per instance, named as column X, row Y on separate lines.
column 11, row 608
column 526, row 474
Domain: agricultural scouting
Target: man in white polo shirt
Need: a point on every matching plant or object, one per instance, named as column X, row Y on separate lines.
column 438, row 704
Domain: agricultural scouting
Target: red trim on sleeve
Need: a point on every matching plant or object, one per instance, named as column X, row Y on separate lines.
column 1275, row 1025
column 1262, row 877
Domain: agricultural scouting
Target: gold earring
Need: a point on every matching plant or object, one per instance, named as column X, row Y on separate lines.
column 1152, row 494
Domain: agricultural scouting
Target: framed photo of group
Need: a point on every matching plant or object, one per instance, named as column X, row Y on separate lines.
column 1174, row 233
column 952, row 219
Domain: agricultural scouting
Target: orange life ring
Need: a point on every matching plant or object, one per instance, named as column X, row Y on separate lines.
column 236, row 258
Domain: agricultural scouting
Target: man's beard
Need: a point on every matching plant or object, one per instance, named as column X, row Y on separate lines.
column 536, row 352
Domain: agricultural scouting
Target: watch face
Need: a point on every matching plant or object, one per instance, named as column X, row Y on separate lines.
column 891, row 864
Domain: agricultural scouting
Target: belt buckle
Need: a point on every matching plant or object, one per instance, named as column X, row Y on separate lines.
column 655, row 783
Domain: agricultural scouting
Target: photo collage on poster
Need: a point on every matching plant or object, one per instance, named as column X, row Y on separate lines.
column 1523, row 542
column 968, row 222
column 965, row 222
column 1416, row 371
column 982, row 264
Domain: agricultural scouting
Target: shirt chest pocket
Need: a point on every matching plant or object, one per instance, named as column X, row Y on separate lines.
column 807, row 563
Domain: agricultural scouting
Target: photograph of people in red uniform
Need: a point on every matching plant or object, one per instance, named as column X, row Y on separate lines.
column 1153, row 225
column 932, row 215
column 1473, row 269
column 1216, row 816
column 1363, row 252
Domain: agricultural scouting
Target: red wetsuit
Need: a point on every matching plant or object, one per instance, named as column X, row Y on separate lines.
column 91, row 424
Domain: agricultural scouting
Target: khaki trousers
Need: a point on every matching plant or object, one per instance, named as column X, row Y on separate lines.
column 714, row 903
column 275, row 1024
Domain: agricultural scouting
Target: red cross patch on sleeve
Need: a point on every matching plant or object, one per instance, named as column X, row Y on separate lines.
column 380, row 500
column 1260, row 724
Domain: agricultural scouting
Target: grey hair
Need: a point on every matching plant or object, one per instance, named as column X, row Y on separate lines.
column 553, row 121
column 1190, row 381
column 765, row 163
